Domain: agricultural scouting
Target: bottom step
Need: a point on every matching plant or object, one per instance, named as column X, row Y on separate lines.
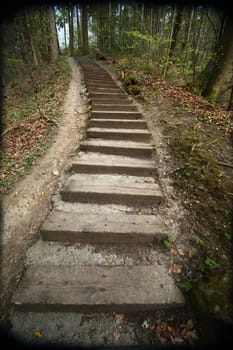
column 96, row 289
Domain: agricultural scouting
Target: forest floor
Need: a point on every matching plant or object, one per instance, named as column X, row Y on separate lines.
column 36, row 153
column 194, row 156
column 194, row 147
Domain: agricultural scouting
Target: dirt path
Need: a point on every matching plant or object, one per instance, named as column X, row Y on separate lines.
column 28, row 203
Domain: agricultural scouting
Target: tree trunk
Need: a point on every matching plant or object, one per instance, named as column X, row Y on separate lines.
column 65, row 41
column 195, row 54
column 26, row 45
column 85, row 29
column 218, row 68
column 142, row 18
column 189, row 22
column 71, row 29
column 110, row 27
column 78, row 28
column 176, row 29
column 54, row 50
column 230, row 103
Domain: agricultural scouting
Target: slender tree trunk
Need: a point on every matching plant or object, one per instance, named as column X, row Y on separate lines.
column 71, row 29
column 176, row 29
column 78, row 28
column 120, row 27
column 188, row 32
column 151, row 35
column 54, row 50
column 110, row 27
column 65, row 34
column 195, row 55
column 85, row 29
column 218, row 68
column 142, row 18
column 170, row 42
column 98, row 26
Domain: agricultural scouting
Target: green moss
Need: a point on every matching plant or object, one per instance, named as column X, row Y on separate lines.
column 199, row 164
column 212, row 296
column 213, row 97
column 203, row 184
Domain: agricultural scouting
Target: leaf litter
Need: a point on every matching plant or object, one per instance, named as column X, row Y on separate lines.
column 27, row 126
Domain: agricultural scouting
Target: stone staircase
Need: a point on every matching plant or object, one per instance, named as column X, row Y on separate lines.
column 114, row 168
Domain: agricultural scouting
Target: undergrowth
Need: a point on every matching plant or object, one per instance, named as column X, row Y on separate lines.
column 199, row 138
column 31, row 110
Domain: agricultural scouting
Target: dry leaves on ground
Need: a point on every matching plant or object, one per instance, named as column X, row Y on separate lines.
column 185, row 333
column 120, row 318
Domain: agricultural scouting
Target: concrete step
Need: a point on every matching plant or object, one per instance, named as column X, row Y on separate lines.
column 114, row 107
column 97, row 163
column 93, row 90
column 109, row 228
column 99, row 80
column 95, row 289
column 116, row 115
column 102, row 88
column 116, row 189
column 118, row 123
column 117, row 147
column 119, row 134
column 97, row 70
column 94, row 73
column 101, row 84
column 95, row 208
column 107, row 101
column 109, row 95
column 97, row 75
column 104, row 85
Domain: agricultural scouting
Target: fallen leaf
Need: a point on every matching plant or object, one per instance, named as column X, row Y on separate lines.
column 108, row 260
column 177, row 268
column 189, row 324
column 173, row 251
column 55, row 172
column 38, row 334
column 180, row 251
column 120, row 318
column 183, row 332
column 145, row 324
column 148, row 180
column 191, row 336
column 170, row 329
column 170, row 269
column 116, row 335
column 190, row 254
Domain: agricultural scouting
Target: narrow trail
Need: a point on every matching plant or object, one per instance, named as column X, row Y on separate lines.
column 91, row 256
